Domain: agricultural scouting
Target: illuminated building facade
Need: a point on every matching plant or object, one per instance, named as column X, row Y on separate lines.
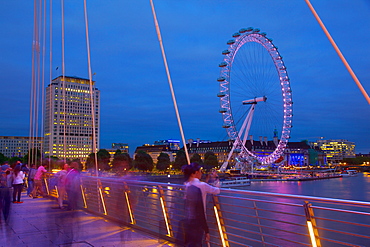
column 336, row 150
column 17, row 146
column 68, row 122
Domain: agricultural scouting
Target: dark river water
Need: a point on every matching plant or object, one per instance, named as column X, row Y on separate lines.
column 349, row 188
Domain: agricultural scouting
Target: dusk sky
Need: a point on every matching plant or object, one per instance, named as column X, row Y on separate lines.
column 136, row 105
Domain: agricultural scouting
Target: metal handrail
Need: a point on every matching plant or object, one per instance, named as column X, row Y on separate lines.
column 235, row 217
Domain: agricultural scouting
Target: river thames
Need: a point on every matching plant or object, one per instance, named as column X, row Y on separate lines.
column 349, row 188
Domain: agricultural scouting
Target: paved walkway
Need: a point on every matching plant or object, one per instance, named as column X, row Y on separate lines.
column 38, row 222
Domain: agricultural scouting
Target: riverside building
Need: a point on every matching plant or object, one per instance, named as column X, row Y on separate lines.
column 69, row 118
column 18, row 146
column 336, row 150
column 296, row 153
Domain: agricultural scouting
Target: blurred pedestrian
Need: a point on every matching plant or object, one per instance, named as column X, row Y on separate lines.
column 5, row 197
column 61, row 184
column 212, row 178
column 195, row 205
column 30, row 179
column 73, row 186
column 38, row 181
column 18, row 177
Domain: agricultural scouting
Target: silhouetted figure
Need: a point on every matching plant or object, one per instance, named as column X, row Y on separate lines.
column 195, row 205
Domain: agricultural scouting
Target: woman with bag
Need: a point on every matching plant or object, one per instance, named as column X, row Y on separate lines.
column 18, row 177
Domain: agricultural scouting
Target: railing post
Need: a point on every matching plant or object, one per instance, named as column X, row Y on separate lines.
column 101, row 196
column 311, row 224
column 259, row 223
column 83, row 194
column 46, row 186
column 129, row 208
column 220, row 222
column 165, row 212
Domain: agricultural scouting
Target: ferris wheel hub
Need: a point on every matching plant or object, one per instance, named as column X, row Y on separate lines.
column 254, row 100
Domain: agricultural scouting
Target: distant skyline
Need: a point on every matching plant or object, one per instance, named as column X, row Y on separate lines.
column 136, row 105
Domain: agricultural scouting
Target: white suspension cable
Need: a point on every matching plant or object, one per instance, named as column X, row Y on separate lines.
column 336, row 48
column 51, row 103
column 42, row 84
column 169, row 80
column 92, row 100
column 34, row 55
column 64, row 88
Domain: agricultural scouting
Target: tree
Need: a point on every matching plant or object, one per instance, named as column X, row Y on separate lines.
column 196, row 158
column 210, row 160
column 53, row 162
column 103, row 160
column 180, row 160
column 33, row 156
column 121, row 162
column 3, row 158
column 143, row 161
column 163, row 161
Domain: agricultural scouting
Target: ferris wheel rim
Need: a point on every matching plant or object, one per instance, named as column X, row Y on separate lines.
column 245, row 36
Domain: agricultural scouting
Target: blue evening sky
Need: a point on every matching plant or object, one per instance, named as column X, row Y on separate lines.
column 136, row 105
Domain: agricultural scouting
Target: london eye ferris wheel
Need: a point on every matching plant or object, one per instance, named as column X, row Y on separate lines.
column 255, row 96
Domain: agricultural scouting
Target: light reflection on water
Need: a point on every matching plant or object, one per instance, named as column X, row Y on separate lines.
column 349, row 188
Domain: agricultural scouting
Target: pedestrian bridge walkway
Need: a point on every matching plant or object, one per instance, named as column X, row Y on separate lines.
column 141, row 213
column 39, row 222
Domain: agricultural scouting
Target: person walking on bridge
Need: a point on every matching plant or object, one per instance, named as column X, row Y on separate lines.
column 61, row 184
column 18, row 177
column 195, row 205
column 38, row 181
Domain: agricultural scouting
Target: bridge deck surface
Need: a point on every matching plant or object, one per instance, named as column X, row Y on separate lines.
column 38, row 222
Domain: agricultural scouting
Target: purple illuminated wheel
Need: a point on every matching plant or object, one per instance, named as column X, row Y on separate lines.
column 255, row 96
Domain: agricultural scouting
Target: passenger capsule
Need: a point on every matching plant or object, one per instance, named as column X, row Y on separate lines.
column 235, row 35
column 226, row 126
column 256, row 30
column 221, row 94
column 223, row 64
column 225, row 52
column 244, row 30
column 263, row 34
column 222, row 110
column 231, row 41
column 269, row 39
column 221, row 78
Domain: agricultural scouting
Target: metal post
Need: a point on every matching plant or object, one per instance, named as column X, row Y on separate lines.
column 220, row 222
column 259, row 223
column 311, row 225
column 46, row 186
column 101, row 196
column 129, row 208
column 165, row 212
column 83, row 194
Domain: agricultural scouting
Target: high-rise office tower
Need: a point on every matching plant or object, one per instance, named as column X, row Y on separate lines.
column 68, row 122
